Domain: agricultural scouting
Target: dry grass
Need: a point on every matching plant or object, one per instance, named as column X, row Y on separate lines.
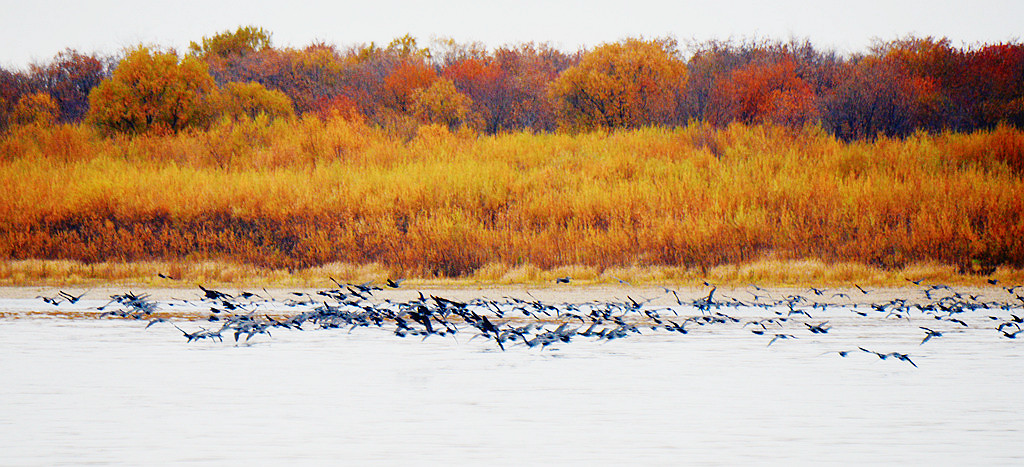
column 295, row 200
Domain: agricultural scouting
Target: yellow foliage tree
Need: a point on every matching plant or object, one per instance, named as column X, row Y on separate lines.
column 244, row 40
column 441, row 103
column 153, row 91
column 630, row 83
column 36, row 108
column 251, row 99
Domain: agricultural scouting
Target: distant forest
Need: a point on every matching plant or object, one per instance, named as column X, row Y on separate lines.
column 896, row 88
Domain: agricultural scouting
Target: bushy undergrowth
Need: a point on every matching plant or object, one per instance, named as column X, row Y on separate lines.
column 303, row 192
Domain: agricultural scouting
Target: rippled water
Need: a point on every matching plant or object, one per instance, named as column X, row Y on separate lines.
column 107, row 391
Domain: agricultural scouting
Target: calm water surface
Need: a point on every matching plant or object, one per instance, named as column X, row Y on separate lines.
column 92, row 391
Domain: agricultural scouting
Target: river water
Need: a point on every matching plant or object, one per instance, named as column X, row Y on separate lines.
column 109, row 391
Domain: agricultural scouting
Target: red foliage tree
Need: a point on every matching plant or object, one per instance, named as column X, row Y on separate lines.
column 403, row 80
column 997, row 74
column 488, row 85
column 766, row 92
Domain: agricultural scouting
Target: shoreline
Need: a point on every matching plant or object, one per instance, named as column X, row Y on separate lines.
column 655, row 295
column 775, row 273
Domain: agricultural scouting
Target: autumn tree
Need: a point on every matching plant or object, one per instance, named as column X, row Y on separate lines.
column 407, row 48
column 440, row 103
column 313, row 75
column 37, row 108
column 711, row 62
column 937, row 69
column 765, row 92
column 12, row 87
column 624, row 84
column 69, row 78
column 721, row 71
column 153, row 90
column 488, row 86
column 400, row 84
column 246, row 54
column 872, row 97
column 239, row 100
column 997, row 74
column 524, row 100
column 243, row 41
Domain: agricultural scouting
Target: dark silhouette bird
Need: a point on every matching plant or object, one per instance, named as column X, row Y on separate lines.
column 842, row 353
column 957, row 321
column 213, row 294
column 54, row 300
column 71, row 298
column 675, row 294
column 929, row 333
column 884, row 356
column 533, row 323
column 819, row 328
column 902, row 357
column 880, row 355
column 676, row 327
column 780, row 336
column 156, row 320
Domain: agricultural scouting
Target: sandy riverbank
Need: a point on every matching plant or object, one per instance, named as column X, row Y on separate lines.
column 551, row 294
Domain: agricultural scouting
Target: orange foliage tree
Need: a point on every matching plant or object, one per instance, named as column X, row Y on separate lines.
column 37, row 108
column 766, row 92
column 153, row 91
column 624, row 84
column 403, row 81
column 936, row 70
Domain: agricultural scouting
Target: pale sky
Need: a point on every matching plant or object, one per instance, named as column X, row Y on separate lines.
column 35, row 30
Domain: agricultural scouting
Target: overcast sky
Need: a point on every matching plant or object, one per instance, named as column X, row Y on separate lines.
column 35, row 30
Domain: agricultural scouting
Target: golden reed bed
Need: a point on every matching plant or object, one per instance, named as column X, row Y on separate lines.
column 286, row 201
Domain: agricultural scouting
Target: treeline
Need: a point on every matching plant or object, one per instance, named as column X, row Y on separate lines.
column 896, row 88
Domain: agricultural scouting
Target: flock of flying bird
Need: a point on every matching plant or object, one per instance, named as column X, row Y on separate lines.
column 535, row 324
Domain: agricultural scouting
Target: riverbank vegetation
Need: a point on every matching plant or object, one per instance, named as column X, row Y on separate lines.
column 460, row 162
column 301, row 193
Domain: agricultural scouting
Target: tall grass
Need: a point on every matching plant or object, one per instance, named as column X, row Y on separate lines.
column 303, row 193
